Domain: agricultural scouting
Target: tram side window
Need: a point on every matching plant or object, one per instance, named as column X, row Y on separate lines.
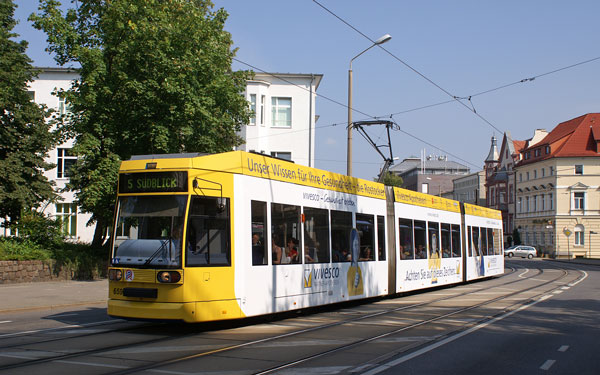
column 405, row 230
column 208, row 232
column 365, row 224
column 490, row 238
column 341, row 226
column 381, row 246
column 285, row 232
column 434, row 239
column 420, row 240
column 483, row 243
column 446, row 244
column 455, row 240
column 259, row 225
column 475, row 241
column 497, row 242
column 316, row 235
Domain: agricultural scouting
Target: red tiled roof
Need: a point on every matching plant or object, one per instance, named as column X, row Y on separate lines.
column 573, row 138
column 519, row 145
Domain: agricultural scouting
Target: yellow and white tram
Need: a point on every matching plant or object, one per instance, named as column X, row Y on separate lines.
column 233, row 235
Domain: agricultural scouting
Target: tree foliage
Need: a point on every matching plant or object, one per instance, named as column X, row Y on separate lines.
column 25, row 136
column 155, row 78
column 391, row 179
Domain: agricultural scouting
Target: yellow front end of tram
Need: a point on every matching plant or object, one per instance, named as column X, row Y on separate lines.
column 172, row 249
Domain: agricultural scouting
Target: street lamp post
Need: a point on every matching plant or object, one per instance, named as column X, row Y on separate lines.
column 590, row 253
column 379, row 41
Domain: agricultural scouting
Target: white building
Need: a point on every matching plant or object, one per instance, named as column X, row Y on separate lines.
column 283, row 126
column 284, row 121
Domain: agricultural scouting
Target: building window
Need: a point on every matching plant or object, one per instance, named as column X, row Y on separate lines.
column 579, row 235
column 281, row 111
column 66, row 214
column 543, row 172
column 535, row 173
column 547, row 149
column 579, row 169
column 64, row 162
column 63, row 107
column 579, row 200
column 282, row 155
column 31, row 95
column 527, row 174
column 520, row 177
column 551, row 171
column 425, row 188
column 253, row 109
column 526, row 204
column 543, row 202
column 262, row 110
column 551, row 201
column 519, row 204
column 538, row 152
column 535, row 198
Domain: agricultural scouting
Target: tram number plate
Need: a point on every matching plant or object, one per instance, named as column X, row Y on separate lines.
column 118, row 291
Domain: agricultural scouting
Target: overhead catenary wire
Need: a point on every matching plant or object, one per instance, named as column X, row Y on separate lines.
column 413, row 109
column 454, row 97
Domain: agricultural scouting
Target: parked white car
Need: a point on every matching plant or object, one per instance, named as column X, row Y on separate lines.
column 520, row 251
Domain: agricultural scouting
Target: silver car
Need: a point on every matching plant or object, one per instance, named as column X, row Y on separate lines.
column 520, row 251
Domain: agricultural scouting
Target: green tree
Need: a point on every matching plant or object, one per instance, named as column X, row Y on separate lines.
column 516, row 237
column 391, row 179
column 25, row 136
column 155, row 78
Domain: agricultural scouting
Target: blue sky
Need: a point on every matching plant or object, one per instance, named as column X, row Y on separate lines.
column 464, row 47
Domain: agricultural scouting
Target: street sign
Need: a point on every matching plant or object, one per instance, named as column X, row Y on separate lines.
column 567, row 231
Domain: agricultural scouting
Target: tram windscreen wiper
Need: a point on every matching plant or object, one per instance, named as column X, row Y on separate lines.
column 158, row 251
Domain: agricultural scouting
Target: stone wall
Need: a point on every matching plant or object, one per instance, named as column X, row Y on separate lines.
column 26, row 271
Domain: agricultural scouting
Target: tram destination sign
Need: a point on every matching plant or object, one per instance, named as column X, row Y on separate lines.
column 153, row 182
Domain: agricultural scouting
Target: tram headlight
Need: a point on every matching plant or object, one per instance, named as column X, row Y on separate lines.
column 115, row 274
column 168, row 276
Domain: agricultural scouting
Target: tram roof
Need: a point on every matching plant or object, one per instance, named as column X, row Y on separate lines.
column 258, row 165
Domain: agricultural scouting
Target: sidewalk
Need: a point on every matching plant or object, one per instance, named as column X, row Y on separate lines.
column 52, row 295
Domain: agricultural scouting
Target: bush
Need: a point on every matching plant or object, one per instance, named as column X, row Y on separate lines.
column 40, row 229
column 85, row 261
column 12, row 248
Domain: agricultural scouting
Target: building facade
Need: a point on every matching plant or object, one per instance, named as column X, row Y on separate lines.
column 470, row 188
column 558, row 190
column 284, row 118
column 283, row 125
column 430, row 174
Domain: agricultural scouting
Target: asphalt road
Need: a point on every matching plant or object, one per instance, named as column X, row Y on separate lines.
column 540, row 318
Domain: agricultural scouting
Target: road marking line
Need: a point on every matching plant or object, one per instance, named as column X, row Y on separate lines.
column 6, row 321
column 546, row 366
column 557, row 292
column 563, row 348
column 387, row 366
column 526, row 270
column 580, row 280
column 565, row 288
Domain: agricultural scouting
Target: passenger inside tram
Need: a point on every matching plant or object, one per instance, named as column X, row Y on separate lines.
column 420, row 253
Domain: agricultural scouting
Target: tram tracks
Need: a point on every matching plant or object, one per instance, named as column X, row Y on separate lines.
column 106, row 351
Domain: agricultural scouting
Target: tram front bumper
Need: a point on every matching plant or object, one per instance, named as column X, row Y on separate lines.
column 188, row 311
column 152, row 310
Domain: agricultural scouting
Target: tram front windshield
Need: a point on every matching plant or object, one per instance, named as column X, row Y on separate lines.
column 149, row 231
